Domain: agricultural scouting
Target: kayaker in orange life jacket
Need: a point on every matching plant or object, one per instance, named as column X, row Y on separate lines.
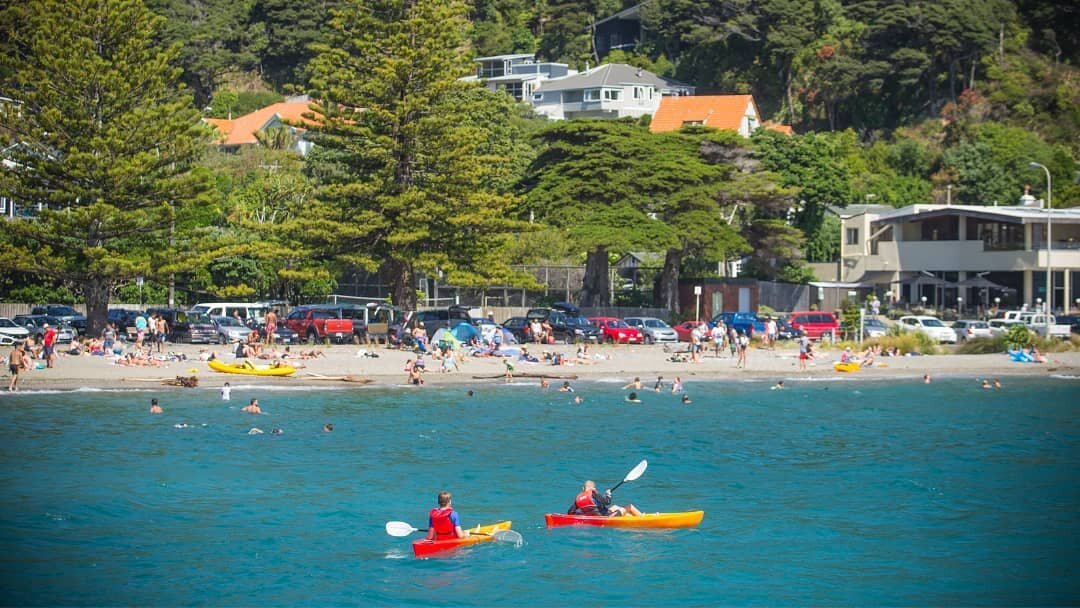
column 443, row 522
column 591, row 502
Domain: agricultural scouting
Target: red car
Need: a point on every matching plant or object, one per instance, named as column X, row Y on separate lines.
column 614, row 330
column 684, row 330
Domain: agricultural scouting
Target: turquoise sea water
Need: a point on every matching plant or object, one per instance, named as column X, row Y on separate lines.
column 838, row 492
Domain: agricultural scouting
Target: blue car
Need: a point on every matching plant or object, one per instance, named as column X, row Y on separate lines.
column 741, row 321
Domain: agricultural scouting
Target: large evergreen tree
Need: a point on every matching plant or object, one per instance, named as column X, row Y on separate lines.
column 402, row 156
column 102, row 134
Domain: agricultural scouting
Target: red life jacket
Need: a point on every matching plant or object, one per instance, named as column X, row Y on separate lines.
column 440, row 522
column 585, row 503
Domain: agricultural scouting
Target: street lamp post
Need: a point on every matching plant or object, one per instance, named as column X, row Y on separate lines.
column 960, row 306
column 1049, row 247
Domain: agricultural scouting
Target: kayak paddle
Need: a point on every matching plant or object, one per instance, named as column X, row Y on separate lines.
column 634, row 473
column 400, row 528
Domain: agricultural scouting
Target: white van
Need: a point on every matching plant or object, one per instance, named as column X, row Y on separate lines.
column 247, row 310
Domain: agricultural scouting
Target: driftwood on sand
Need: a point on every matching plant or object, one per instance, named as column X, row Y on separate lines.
column 529, row 375
column 185, row 381
column 345, row 378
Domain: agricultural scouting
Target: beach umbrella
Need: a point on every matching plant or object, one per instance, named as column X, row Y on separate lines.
column 465, row 331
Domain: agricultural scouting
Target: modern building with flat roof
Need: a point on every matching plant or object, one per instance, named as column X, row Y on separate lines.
column 963, row 256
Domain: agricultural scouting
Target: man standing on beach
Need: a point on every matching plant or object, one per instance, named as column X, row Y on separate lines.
column 49, row 341
column 15, row 361
column 271, row 326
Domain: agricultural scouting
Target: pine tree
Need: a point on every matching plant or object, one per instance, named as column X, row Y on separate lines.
column 401, row 155
column 102, row 135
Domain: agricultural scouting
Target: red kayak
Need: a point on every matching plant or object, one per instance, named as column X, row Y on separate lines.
column 479, row 534
column 686, row 519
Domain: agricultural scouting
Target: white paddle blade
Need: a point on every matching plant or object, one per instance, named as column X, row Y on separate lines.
column 637, row 471
column 509, row 536
column 399, row 528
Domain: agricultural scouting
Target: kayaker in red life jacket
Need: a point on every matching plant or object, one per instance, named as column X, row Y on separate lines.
column 591, row 502
column 443, row 522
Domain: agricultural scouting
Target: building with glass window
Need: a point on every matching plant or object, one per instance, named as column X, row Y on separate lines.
column 963, row 256
column 518, row 75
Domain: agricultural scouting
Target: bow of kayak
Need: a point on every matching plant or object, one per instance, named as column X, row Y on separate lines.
column 685, row 519
column 478, row 534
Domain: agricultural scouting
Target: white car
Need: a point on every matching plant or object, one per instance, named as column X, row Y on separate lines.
column 654, row 329
column 1001, row 326
column 931, row 326
column 970, row 329
column 11, row 332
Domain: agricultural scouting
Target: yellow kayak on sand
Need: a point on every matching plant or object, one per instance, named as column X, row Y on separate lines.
column 847, row 367
column 247, row 368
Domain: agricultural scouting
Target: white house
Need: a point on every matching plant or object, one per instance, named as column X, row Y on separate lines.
column 613, row 90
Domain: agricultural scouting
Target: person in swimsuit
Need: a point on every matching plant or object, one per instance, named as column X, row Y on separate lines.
column 15, row 361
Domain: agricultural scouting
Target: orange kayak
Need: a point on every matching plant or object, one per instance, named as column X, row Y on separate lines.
column 685, row 519
column 479, row 534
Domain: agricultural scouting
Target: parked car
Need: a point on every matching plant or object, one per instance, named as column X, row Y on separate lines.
column 684, row 329
column 435, row 319
column 12, row 331
column 655, row 330
column 193, row 327
column 253, row 311
column 969, row 329
column 319, row 324
column 357, row 314
column 1046, row 326
column 784, row 330
column 874, row 328
column 35, row 324
column 1001, row 326
column 931, row 326
column 616, row 331
column 1073, row 321
column 63, row 312
column 517, row 326
column 229, row 329
column 817, row 325
column 566, row 322
column 742, row 322
column 282, row 334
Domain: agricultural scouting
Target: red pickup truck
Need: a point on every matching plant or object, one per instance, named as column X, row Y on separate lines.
column 317, row 324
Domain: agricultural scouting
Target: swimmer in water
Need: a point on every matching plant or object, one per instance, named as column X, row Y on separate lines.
column 277, row 432
column 255, row 431
column 578, row 399
column 469, row 393
column 544, row 383
column 636, row 384
column 328, row 427
column 632, row 398
column 566, row 388
column 986, row 384
column 926, row 379
column 253, row 407
column 997, row 383
column 155, row 408
column 226, row 392
column 779, row 386
column 686, row 399
column 659, row 386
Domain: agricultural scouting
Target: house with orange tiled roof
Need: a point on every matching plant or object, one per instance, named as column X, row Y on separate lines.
column 245, row 130
column 733, row 112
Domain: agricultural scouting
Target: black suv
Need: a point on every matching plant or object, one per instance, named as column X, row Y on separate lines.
column 566, row 323
column 63, row 312
column 186, row 326
column 436, row 319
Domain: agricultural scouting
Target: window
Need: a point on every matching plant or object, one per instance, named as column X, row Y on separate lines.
column 3, row 205
column 538, row 97
column 592, row 94
column 639, row 93
column 693, row 123
column 612, row 94
column 852, row 236
column 572, row 96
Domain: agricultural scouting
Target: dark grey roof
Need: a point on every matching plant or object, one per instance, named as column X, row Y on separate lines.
column 612, row 75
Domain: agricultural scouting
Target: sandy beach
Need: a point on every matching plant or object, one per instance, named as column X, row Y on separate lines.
column 622, row 362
